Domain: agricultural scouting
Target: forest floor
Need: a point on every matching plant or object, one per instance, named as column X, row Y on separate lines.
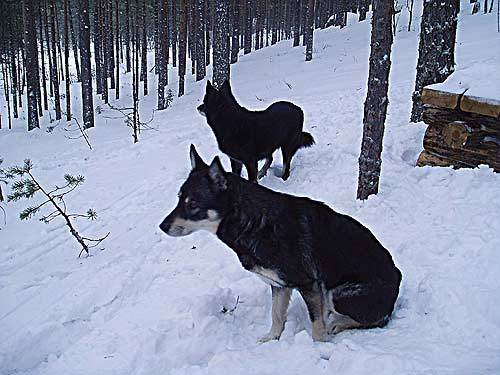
column 146, row 303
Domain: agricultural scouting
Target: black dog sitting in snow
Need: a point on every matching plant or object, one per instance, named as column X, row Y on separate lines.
column 249, row 136
column 346, row 277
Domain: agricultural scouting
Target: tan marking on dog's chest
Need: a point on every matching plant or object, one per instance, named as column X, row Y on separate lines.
column 268, row 276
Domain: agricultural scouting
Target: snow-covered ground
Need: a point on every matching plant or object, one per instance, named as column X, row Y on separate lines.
column 151, row 304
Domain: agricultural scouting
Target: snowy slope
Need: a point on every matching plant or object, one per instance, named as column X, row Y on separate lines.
column 151, row 304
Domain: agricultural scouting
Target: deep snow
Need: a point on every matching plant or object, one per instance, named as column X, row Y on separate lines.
column 151, row 304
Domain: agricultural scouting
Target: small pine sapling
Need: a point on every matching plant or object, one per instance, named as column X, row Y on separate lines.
column 27, row 186
column 169, row 98
column 3, row 179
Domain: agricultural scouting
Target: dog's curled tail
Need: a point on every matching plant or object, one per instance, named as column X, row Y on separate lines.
column 307, row 140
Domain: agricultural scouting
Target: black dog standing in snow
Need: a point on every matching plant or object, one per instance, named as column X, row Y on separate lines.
column 249, row 136
column 346, row 277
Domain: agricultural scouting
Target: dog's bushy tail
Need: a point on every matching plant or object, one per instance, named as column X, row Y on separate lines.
column 307, row 140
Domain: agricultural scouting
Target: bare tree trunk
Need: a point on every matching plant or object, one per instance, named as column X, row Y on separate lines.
column 409, row 4
column 117, row 45
column 200, row 39
column 135, row 73
column 53, row 73
column 248, row 27
column 182, row 45
column 6, row 91
column 144, row 56
column 127, row 34
column 208, row 28
column 376, row 99
column 42, row 54
column 162, row 40
column 310, row 30
column 104, row 50
column 97, row 45
column 220, row 43
column 436, row 51
column 31, row 62
column 58, row 40
column 66, row 60
column 74, row 41
column 86, row 74
column 174, row 27
column 110, row 47
column 296, row 23
column 235, row 44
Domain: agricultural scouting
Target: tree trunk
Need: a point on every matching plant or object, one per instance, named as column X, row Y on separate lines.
column 53, row 73
column 436, row 51
column 117, row 45
column 376, row 99
column 66, row 60
column 144, row 56
column 30, row 44
column 296, row 23
column 309, row 30
column 104, row 51
column 248, row 27
column 74, row 41
column 97, row 45
column 182, row 45
column 220, row 44
column 42, row 54
column 86, row 74
column 175, row 29
column 235, row 40
column 127, row 34
column 162, row 45
column 58, row 40
column 200, row 40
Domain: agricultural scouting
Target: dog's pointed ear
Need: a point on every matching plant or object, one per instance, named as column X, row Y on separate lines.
column 226, row 85
column 217, row 174
column 210, row 87
column 197, row 162
column 226, row 88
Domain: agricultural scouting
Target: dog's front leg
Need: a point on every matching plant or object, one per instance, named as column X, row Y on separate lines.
column 281, row 298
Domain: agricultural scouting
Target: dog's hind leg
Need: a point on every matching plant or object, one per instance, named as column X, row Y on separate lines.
column 313, row 297
column 236, row 166
column 281, row 298
column 252, row 171
column 263, row 171
column 288, row 153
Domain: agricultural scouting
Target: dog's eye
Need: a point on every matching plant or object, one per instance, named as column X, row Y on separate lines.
column 191, row 205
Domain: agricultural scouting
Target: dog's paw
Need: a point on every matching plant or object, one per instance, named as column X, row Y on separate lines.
column 269, row 337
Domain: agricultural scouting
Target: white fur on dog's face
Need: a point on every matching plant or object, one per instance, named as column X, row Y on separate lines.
column 182, row 227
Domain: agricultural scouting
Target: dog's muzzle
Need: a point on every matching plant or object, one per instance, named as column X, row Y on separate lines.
column 201, row 110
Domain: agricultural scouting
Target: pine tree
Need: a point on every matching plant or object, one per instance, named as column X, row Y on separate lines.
column 376, row 99
column 27, row 186
column 436, row 51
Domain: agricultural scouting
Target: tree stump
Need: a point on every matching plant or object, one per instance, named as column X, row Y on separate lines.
column 463, row 128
